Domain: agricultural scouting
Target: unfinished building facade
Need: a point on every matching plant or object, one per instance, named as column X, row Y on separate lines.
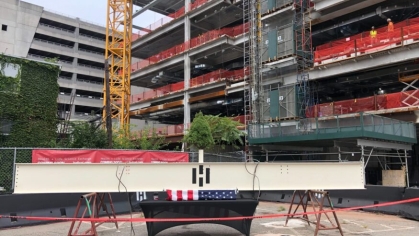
column 317, row 80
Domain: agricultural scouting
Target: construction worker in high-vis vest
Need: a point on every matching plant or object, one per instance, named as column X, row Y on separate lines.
column 373, row 35
column 390, row 27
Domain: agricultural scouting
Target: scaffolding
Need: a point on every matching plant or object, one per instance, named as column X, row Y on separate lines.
column 303, row 43
column 253, row 91
column 409, row 98
column 65, row 123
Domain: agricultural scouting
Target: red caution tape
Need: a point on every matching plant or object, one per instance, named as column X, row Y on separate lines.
column 107, row 220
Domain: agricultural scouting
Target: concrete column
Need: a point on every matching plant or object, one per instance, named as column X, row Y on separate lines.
column 186, row 105
column 75, row 62
column 187, row 5
column 74, row 78
column 187, row 73
column 76, row 48
column 73, row 108
column 76, row 45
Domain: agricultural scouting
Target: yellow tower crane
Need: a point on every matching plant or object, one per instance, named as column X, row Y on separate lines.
column 118, row 56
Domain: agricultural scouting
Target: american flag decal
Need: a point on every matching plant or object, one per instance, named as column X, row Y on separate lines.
column 193, row 195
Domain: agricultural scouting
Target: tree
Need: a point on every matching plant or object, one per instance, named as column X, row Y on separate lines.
column 87, row 135
column 149, row 139
column 224, row 131
column 120, row 140
column 199, row 135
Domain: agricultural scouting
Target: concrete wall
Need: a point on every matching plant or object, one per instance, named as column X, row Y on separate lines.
column 22, row 20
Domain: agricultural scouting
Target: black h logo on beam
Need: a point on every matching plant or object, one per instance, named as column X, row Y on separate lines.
column 201, row 173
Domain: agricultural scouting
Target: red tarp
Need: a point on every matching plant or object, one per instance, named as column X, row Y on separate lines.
column 105, row 156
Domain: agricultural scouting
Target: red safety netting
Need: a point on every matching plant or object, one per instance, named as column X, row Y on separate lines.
column 157, row 92
column 363, row 43
column 197, row 4
column 240, row 119
column 167, row 19
column 211, row 77
column 381, row 42
column 195, row 42
column 170, row 130
column 337, row 51
column 373, row 103
column 207, row 78
column 366, row 34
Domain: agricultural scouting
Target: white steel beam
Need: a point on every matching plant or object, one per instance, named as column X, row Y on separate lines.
column 76, row 178
column 145, row 8
column 383, row 145
column 321, row 5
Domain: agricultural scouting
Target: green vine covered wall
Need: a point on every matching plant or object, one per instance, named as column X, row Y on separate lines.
column 29, row 101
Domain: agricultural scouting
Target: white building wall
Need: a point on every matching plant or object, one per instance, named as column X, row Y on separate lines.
column 21, row 20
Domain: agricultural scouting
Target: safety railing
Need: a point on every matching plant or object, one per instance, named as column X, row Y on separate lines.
column 211, row 77
column 92, row 37
column 89, row 81
column 88, row 97
column 167, row 19
column 339, row 125
column 362, row 43
column 52, row 43
column 65, row 62
column 57, row 28
column 38, row 57
column 89, row 66
column 372, row 103
column 91, row 52
column 195, row 42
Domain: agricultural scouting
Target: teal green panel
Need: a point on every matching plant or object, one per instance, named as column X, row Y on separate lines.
column 271, row 4
column 298, row 102
column 332, row 134
column 273, row 44
column 274, row 106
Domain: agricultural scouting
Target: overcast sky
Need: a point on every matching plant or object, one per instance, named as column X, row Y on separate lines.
column 91, row 10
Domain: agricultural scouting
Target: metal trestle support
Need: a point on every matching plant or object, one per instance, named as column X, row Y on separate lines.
column 307, row 198
column 94, row 203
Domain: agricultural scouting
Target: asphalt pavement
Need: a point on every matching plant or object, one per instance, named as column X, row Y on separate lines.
column 353, row 223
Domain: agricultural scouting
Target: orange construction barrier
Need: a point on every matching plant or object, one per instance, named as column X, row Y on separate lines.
column 211, row 77
column 359, row 44
column 372, row 103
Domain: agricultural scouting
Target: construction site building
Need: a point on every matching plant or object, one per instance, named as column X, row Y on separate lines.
column 306, row 77
column 30, row 31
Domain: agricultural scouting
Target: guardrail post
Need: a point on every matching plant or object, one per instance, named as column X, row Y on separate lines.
column 392, row 126
column 337, row 122
column 373, row 123
column 317, row 125
column 401, row 35
column 356, row 51
column 361, row 115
